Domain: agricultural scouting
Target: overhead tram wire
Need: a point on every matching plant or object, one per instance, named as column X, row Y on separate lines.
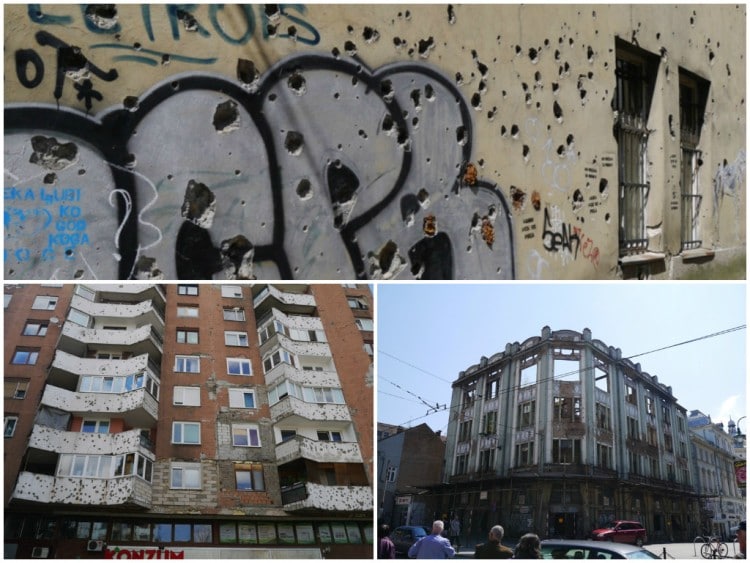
column 560, row 376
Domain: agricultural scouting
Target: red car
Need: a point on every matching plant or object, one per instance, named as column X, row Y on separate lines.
column 621, row 531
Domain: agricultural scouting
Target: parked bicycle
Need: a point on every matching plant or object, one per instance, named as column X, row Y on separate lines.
column 714, row 548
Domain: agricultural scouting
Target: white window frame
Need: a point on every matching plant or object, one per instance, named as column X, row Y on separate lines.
column 80, row 318
column 365, row 324
column 188, row 311
column 40, row 330
column 183, row 468
column 234, row 314
column 182, row 425
column 323, row 395
column 101, row 426
column 236, row 338
column 284, row 357
column 33, row 357
column 367, row 347
column 331, row 436
column 11, row 423
column 247, row 431
column 237, row 398
column 45, row 302
column 182, row 362
column 7, row 298
column 357, row 303
column 231, row 291
column 186, row 396
column 244, row 365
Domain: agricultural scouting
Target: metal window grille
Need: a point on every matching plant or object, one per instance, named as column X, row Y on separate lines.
column 632, row 143
column 691, row 121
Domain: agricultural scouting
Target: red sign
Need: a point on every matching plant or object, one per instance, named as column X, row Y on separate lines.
column 147, row 553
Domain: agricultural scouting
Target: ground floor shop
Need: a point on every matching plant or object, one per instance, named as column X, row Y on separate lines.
column 566, row 507
column 74, row 536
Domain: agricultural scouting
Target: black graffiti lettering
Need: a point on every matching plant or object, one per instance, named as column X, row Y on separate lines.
column 567, row 238
column 24, row 58
column 196, row 253
column 70, row 59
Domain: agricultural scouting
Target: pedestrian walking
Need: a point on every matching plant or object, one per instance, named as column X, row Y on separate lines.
column 455, row 531
column 434, row 546
column 493, row 549
column 386, row 549
column 742, row 539
column 528, row 547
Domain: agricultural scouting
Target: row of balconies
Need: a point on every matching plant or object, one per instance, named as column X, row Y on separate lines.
column 139, row 409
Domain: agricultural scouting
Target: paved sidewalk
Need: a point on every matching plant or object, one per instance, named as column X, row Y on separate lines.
column 673, row 550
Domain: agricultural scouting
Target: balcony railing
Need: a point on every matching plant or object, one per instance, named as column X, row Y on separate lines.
column 291, row 406
column 126, row 492
column 303, row 377
column 320, row 451
column 64, row 442
column 77, row 339
column 313, row 496
column 138, row 408
column 271, row 297
column 120, row 310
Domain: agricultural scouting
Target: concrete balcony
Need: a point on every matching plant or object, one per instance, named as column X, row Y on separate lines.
column 303, row 377
column 312, row 497
column 85, row 443
column 295, row 411
column 130, row 292
column 77, row 340
column 270, row 297
column 143, row 312
column 300, row 447
column 138, row 408
column 296, row 347
column 125, row 492
column 66, row 369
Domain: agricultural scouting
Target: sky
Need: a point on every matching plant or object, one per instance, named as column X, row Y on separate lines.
column 428, row 333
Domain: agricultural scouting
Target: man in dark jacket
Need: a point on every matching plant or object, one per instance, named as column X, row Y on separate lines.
column 493, row 549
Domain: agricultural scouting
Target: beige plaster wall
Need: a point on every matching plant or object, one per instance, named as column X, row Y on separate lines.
column 360, row 122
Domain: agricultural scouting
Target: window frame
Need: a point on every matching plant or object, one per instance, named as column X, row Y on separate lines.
column 635, row 78
column 240, row 335
column 251, row 469
column 190, row 290
column 20, row 390
column 186, row 359
column 241, row 364
column 31, row 359
column 42, row 328
column 248, row 434
column 11, row 423
column 182, row 467
column 231, row 291
column 243, row 391
column 187, row 395
column 184, row 335
column 365, row 325
column 39, row 302
column 234, row 312
column 182, row 424
column 188, row 311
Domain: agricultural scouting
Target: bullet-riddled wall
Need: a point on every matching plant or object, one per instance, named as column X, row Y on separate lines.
column 374, row 141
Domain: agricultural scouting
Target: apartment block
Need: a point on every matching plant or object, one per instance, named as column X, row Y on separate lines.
column 188, row 421
column 561, row 434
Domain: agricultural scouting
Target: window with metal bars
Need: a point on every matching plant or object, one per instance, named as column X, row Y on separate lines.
column 635, row 74
column 693, row 96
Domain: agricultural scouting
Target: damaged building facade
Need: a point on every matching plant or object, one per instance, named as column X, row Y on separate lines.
column 188, row 421
column 467, row 141
column 560, row 434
